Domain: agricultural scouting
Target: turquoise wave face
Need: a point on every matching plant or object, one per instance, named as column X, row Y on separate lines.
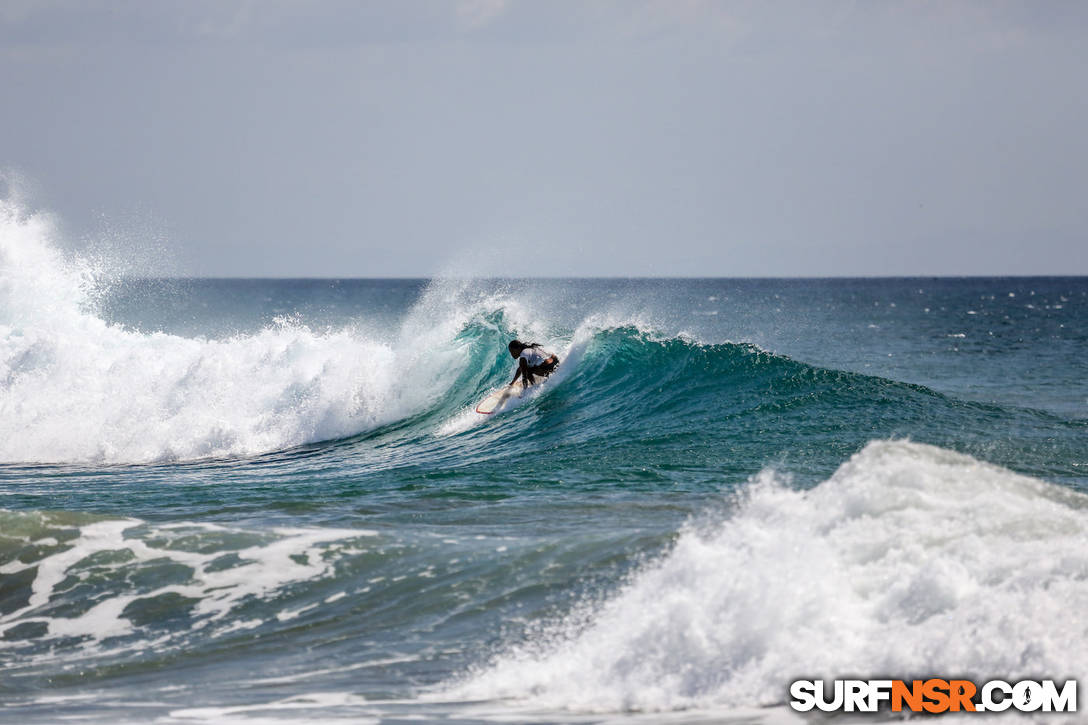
column 630, row 406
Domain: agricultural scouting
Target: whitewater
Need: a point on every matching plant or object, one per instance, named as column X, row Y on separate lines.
column 258, row 500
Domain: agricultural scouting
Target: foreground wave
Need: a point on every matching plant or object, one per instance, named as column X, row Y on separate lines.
column 909, row 560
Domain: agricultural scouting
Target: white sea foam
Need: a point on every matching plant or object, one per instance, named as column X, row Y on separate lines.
column 909, row 561
column 74, row 388
column 266, row 563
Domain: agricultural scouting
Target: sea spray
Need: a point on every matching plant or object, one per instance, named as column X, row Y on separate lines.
column 77, row 388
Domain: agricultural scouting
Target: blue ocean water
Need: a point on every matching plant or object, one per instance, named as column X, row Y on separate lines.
column 266, row 500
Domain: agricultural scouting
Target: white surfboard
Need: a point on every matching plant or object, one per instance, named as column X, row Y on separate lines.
column 506, row 398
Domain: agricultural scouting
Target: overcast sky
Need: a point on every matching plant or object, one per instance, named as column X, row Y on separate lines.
column 625, row 137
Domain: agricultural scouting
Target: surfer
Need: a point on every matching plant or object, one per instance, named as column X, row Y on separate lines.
column 532, row 361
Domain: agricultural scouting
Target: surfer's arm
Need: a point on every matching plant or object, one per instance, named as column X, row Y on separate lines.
column 523, row 372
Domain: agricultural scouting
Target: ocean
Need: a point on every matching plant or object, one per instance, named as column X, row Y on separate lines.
column 258, row 500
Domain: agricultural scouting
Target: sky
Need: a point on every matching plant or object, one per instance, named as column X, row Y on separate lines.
column 291, row 138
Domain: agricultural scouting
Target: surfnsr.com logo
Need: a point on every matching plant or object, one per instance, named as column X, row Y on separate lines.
column 933, row 696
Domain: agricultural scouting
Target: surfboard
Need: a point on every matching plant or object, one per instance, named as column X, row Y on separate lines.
column 506, row 398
